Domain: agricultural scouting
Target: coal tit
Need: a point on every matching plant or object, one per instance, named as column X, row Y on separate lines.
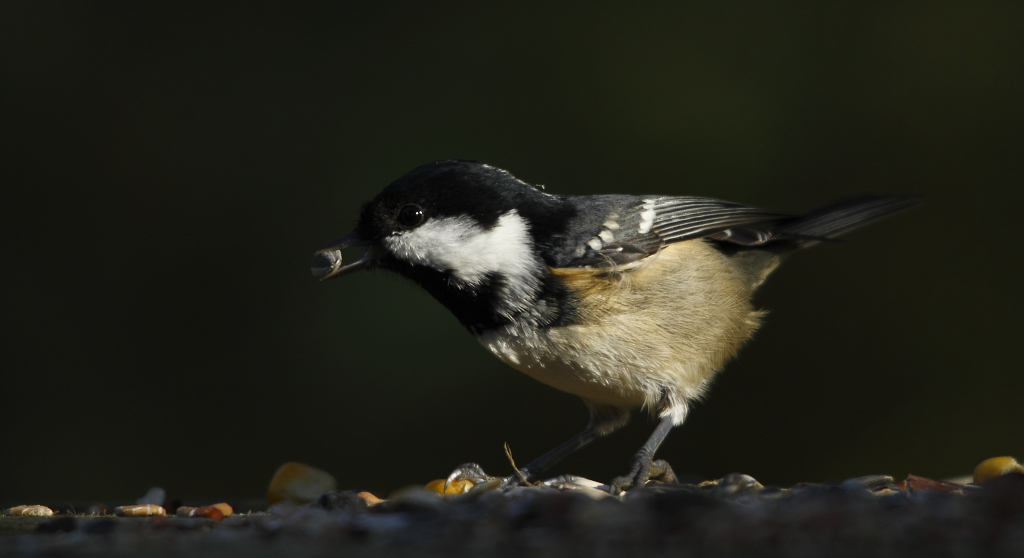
column 626, row 301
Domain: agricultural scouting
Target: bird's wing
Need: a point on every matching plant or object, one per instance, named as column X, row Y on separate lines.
column 637, row 230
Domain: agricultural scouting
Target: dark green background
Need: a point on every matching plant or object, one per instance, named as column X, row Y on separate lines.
column 168, row 172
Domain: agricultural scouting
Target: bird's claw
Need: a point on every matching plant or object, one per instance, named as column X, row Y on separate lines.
column 474, row 473
column 471, row 472
column 641, row 470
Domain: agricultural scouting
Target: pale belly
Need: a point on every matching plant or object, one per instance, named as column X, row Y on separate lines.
column 563, row 366
column 659, row 332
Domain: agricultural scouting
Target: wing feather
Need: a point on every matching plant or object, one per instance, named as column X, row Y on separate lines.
column 678, row 219
column 646, row 225
column 637, row 227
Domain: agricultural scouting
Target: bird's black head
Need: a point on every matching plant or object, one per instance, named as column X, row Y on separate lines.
column 465, row 231
column 443, row 190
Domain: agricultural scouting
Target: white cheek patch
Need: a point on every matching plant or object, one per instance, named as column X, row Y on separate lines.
column 461, row 245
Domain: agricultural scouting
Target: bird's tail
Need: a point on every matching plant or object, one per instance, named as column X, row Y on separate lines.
column 837, row 218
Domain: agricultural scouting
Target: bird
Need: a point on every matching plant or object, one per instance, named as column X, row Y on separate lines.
column 626, row 301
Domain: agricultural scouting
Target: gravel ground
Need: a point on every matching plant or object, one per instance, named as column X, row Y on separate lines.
column 736, row 516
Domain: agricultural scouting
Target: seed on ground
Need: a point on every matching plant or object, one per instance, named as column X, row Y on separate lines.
column 139, row 510
column 299, row 483
column 457, row 487
column 33, row 511
column 996, row 467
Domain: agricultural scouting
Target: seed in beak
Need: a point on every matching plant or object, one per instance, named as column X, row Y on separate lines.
column 325, row 262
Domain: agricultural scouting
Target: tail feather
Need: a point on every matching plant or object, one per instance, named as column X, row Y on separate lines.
column 837, row 218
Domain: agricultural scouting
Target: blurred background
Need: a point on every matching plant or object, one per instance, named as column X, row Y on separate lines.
column 169, row 170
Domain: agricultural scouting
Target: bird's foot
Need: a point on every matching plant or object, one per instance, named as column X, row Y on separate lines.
column 474, row 473
column 642, row 469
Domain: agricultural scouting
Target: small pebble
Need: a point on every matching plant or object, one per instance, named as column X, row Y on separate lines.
column 887, row 491
column 914, row 483
column 185, row 511
column 31, row 511
column 487, row 486
column 210, row 512
column 872, row 482
column 996, row 467
column 457, row 487
column 733, row 483
column 139, row 510
column 342, row 499
column 371, row 500
column 299, row 483
column 580, row 485
column 562, row 480
column 589, row 491
column 216, row 512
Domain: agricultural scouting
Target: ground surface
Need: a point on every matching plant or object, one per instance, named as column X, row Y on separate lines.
column 735, row 517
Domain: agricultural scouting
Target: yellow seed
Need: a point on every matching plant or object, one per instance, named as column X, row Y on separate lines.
column 139, row 510
column 370, row 499
column 454, row 489
column 224, row 508
column 996, row 466
column 35, row 511
column 299, row 483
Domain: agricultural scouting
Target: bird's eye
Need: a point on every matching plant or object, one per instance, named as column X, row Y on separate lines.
column 410, row 216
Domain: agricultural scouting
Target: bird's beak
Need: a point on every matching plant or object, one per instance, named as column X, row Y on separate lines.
column 327, row 260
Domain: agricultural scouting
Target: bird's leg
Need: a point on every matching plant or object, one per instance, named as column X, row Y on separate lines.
column 475, row 473
column 643, row 467
column 603, row 421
